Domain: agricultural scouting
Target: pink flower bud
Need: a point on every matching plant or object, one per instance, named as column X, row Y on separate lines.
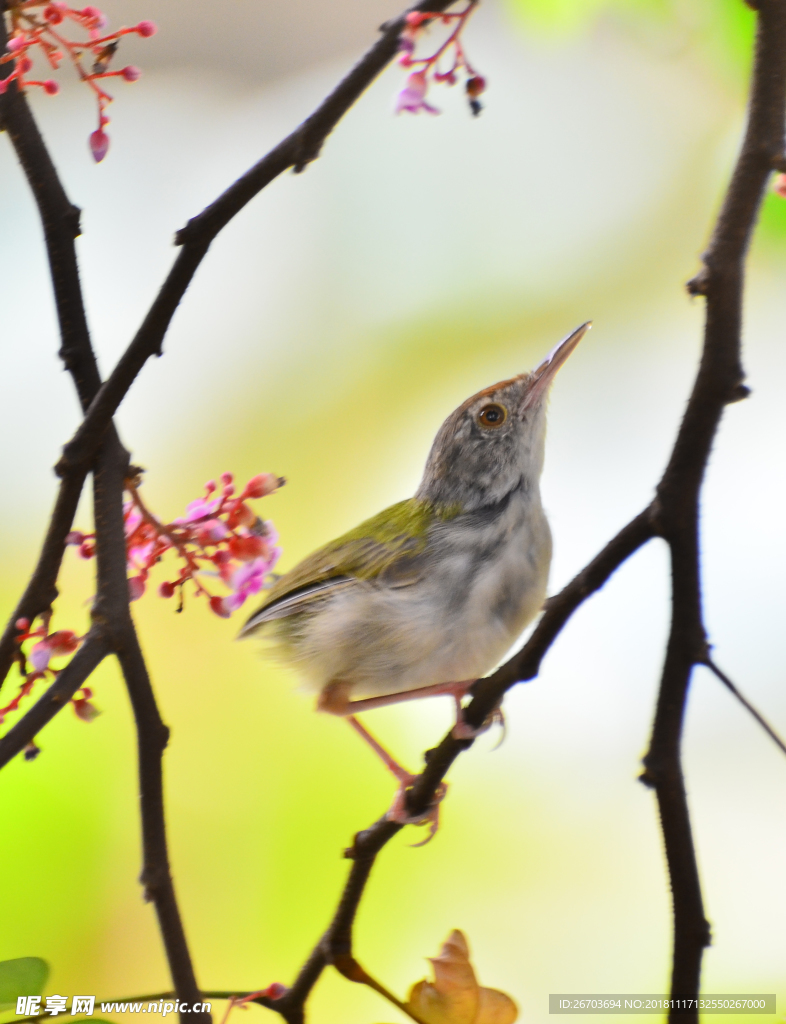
column 275, row 991
column 246, row 549
column 85, row 710
column 146, row 28
column 228, row 491
column 210, row 486
column 24, row 64
column 475, row 86
column 241, row 515
column 166, row 589
column 416, row 18
column 99, row 144
column 40, row 655
column 51, row 88
column 17, row 43
column 218, row 606
column 64, row 641
column 212, row 532
column 131, row 74
column 53, row 14
column 94, row 15
column 22, row 625
column 262, row 485
column 136, row 587
column 87, row 550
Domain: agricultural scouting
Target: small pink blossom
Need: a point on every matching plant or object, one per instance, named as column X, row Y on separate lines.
column 198, row 509
column 413, row 96
column 212, row 532
column 86, row 711
column 275, row 991
column 131, row 73
column 57, row 644
column 40, row 655
column 99, row 144
column 261, row 485
column 219, row 606
column 136, row 587
column 16, row 44
column 146, row 29
column 166, row 589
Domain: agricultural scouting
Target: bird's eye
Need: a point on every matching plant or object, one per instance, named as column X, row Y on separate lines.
column 492, row 416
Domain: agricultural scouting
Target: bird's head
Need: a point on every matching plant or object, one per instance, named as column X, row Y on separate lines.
column 493, row 443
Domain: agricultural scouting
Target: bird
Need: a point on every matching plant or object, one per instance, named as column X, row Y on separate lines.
column 428, row 595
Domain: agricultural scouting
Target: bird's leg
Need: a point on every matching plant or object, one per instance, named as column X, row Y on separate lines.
column 334, row 698
column 403, row 776
column 398, row 809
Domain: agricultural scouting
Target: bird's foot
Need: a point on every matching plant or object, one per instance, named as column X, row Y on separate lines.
column 462, row 730
column 398, row 811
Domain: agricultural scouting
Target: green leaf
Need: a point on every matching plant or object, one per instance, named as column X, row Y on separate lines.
column 25, row 976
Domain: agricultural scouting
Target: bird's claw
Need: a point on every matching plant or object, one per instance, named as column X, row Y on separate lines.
column 398, row 811
column 462, row 730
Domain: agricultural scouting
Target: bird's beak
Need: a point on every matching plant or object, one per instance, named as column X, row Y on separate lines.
column 540, row 379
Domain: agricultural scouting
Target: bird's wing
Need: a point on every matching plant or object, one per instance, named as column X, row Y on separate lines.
column 385, row 547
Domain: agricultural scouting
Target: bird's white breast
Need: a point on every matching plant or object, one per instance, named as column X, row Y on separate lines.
column 481, row 582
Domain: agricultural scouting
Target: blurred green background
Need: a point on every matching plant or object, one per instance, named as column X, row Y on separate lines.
column 331, row 328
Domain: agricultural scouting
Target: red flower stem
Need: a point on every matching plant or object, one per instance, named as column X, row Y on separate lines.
column 164, row 531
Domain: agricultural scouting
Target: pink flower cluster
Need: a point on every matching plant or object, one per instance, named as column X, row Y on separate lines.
column 34, row 665
column 412, row 97
column 220, row 536
column 37, row 27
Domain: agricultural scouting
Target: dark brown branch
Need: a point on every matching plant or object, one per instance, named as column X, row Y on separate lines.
column 719, row 381
column 60, row 221
column 710, row 664
column 112, row 629
column 111, row 612
column 41, row 589
column 296, row 150
column 86, row 660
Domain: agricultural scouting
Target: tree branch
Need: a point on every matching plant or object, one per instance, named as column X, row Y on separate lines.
column 86, row 660
column 719, row 381
column 297, row 150
column 113, row 628
column 710, row 664
column 41, row 589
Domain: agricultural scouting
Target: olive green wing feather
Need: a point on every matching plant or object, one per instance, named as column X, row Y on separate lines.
column 385, row 546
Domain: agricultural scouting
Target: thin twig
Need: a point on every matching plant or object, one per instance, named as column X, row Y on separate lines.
column 297, row 150
column 69, row 679
column 710, row 664
column 41, row 589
